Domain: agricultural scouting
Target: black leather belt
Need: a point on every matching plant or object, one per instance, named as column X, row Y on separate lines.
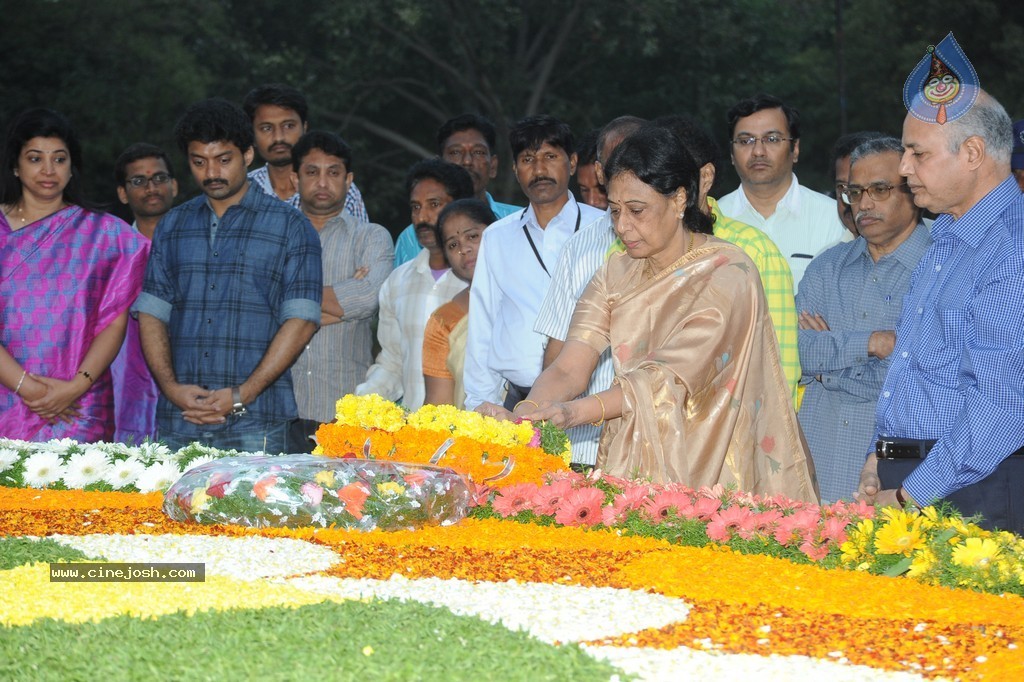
column 903, row 448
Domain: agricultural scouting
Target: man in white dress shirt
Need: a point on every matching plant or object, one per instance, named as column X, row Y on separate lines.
column 517, row 256
column 416, row 289
column 765, row 145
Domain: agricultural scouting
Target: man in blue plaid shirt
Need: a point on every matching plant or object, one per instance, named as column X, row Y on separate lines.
column 231, row 297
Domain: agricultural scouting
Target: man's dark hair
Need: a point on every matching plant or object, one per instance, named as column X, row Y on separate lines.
column 139, row 150
column 618, row 129
column 694, row 137
column 760, row 102
column 474, row 209
column 467, row 122
column 276, row 94
column 214, row 120
column 659, row 160
column 41, row 123
column 325, row 141
column 845, row 145
column 534, row 131
column 586, row 148
column 456, row 180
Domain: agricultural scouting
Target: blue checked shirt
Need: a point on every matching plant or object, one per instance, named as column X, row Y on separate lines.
column 957, row 372
column 224, row 298
column 857, row 297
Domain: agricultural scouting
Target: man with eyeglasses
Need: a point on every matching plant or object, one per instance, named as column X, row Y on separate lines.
column 765, row 143
column 849, row 301
column 468, row 140
column 950, row 418
column 146, row 184
column 840, row 166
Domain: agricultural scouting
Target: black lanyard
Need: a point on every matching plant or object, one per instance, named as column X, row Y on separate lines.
column 533, row 246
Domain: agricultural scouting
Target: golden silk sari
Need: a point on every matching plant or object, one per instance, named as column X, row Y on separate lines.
column 705, row 399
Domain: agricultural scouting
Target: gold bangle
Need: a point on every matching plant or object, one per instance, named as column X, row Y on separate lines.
column 601, row 420
column 525, row 401
column 20, row 382
column 87, row 376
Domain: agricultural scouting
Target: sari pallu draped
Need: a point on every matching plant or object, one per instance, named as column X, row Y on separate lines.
column 705, row 400
column 63, row 280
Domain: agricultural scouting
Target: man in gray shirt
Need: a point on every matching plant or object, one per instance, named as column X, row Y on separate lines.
column 357, row 258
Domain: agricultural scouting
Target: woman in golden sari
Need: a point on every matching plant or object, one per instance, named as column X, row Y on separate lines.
column 699, row 395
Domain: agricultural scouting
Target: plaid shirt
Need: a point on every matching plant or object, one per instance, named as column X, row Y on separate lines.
column 224, row 299
column 957, row 372
column 353, row 200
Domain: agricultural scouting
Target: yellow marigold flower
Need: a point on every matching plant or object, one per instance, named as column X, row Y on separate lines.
column 370, row 412
column 899, row 538
column 976, row 553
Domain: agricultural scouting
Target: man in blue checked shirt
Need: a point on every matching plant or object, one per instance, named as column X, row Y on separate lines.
column 231, row 296
column 950, row 419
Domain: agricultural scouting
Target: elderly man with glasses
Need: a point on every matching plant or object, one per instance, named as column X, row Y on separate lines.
column 848, row 304
column 765, row 144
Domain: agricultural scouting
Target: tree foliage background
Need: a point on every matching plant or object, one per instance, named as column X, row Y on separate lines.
column 386, row 74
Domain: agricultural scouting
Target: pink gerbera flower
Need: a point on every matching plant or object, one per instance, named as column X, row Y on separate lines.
column 580, row 508
column 513, row 499
column 704, row 507
column 547, row 497
column 719, row 529
column 665, row 504
column 814, row 552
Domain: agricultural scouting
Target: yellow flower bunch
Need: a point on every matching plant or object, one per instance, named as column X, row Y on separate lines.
column 452, row 420
column 935, row 548
column 370, row 412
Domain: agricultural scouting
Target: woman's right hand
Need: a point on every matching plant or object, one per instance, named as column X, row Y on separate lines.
column 497, row 411
column 45, row 397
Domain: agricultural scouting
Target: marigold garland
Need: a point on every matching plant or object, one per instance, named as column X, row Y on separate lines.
column 482, row 445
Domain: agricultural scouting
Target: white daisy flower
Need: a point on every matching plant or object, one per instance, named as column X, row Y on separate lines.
column 124, row 473
column 8, row 458
column 42, row 469
column 86, row 467
column 198, row 461
column 159, row 476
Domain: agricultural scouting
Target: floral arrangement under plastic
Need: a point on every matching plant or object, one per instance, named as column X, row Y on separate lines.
column 305, row 490
column 934, row 546
column 485, row 449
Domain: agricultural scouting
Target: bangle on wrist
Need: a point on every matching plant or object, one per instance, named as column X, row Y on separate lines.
column 87, row 376
column 17, row 388
column 525, row 401
column 601, row 420
column 902, row 500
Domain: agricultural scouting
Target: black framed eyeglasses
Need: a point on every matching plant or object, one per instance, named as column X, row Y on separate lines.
column 140, row 181
column 879, row 191
column 770, row 140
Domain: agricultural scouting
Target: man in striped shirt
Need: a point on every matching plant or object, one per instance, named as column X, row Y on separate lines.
column 356, row 261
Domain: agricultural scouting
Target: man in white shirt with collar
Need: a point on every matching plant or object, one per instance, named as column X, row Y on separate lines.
column 416, row 289
column 517, row 256
column 765, row 145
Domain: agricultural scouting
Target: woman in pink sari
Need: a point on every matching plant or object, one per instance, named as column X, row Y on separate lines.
column 68, row 274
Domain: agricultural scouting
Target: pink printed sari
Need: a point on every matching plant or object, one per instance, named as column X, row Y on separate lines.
column 63, row 280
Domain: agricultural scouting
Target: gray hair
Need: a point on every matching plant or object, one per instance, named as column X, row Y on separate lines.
column 988, row 120
column 876, row 145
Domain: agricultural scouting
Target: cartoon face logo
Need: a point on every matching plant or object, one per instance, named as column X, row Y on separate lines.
column 942, row 90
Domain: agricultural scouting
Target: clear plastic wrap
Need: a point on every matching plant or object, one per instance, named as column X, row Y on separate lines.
column 306, row 490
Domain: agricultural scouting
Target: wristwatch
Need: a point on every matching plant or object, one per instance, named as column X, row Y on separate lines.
column 237, row 406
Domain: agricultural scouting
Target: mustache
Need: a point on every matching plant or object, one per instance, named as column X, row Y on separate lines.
column 866, row 214
column 424, row 226
column 278, row 145
column 214, row 181
column 541, row 178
